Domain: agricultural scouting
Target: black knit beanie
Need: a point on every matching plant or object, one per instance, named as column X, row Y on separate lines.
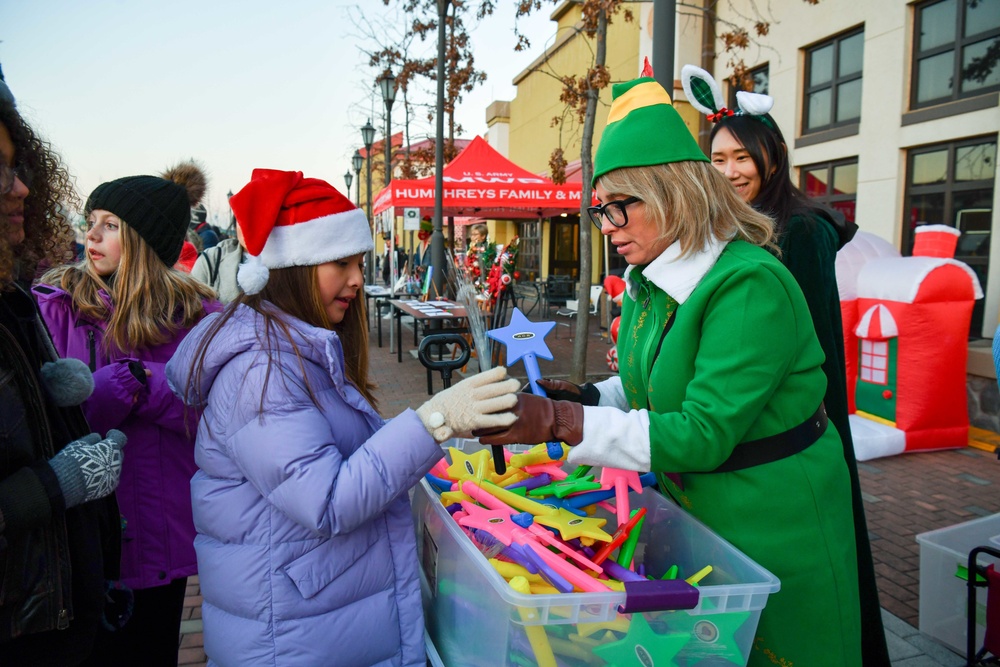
column 157, row 209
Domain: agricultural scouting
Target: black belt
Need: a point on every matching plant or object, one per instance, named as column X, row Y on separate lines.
column 778, row 446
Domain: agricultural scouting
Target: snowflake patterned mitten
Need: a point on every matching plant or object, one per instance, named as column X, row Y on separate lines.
column 88, row 469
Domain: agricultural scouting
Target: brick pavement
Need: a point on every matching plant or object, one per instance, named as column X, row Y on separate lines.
column 912, row 493
column 904, row 495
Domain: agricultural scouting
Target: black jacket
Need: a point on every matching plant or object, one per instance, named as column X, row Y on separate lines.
column 53, row 561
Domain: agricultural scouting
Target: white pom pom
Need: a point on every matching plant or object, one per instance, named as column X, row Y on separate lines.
column 754, row 104
column 252, row 275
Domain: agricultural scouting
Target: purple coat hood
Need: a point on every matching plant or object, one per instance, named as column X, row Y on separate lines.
column 306, row 547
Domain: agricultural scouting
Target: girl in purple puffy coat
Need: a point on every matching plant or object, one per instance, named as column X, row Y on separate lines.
column 306, row 546
column 123, row 310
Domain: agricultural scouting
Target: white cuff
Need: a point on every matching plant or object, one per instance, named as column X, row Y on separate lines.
column 613, row 438
column 612, row 393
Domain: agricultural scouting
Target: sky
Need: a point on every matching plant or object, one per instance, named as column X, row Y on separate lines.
column 127, row 87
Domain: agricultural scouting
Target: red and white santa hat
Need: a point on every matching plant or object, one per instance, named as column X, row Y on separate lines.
column 288, row 220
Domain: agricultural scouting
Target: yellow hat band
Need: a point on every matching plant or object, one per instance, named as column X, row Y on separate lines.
column 643, row 95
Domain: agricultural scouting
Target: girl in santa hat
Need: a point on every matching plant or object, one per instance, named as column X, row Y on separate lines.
column 122, row 311
column 305, row 539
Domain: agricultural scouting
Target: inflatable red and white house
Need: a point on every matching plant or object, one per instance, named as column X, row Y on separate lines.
column 850, row 260
column 906, row 329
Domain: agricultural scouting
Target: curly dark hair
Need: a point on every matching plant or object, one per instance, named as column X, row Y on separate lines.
column 48, row 238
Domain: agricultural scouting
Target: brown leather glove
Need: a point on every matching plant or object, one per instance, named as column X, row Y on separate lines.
column 538, row 420
column 561, row 390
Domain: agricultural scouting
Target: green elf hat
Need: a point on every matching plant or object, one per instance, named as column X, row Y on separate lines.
column 643, row 129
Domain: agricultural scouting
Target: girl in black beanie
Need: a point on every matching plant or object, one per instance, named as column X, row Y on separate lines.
column 123, row 310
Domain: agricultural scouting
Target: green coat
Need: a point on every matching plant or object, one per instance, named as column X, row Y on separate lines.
column 742, row 362
column 809, row 245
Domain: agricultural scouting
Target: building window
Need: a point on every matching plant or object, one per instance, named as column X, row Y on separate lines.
column 955, row 50
column 874, row 361
column 757, row 80
column 529, row 250
column 834, row 184
column 833, row 82
column 952, row 184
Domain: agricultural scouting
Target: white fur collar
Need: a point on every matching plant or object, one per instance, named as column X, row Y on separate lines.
column 675, row 275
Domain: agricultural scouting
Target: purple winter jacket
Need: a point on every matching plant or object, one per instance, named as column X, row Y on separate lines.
column 154, row 492
column 306, row 547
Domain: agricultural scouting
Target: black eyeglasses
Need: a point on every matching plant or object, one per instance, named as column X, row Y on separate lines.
column 613, row 211
column 8, row 174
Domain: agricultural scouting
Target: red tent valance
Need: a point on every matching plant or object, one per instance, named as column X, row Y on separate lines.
column 481, row 183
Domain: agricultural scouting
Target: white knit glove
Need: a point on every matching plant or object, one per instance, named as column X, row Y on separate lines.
column 478, row 402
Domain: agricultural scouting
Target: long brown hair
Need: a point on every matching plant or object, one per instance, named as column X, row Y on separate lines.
column 293, row 291
column 150, row 302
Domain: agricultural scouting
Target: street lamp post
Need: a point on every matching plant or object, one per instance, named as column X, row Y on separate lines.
column 348, row 178
column 232, row 217
column 357, row 161
column 368, row 137
column 437, row 237
column 387, row 84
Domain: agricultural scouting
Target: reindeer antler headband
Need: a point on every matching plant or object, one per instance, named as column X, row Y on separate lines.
column 705, row 95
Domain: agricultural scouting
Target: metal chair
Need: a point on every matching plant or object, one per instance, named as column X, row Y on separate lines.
column 573, row 305
column 527, row 296
column 558, row 290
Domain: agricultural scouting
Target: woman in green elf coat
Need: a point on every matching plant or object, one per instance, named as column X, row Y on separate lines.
column 721, row 384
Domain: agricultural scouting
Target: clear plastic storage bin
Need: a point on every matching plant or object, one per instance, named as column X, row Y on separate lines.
column 943, row 596
column 474, row 617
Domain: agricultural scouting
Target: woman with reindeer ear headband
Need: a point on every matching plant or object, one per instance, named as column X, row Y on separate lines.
column 750, row 151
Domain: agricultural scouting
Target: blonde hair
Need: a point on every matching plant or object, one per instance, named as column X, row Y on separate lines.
column 691, row 202
column 294, row 291
column 151, row 302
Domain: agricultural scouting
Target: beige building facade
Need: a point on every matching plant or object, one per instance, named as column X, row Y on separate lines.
column 890, row 110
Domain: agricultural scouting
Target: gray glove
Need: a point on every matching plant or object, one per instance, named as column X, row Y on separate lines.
column 483, row 401
column 88, row 469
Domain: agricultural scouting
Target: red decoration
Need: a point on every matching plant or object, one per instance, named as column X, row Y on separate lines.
column 887, row 394
column 647, row 69
column 501, row 271
column 615, row 323
column 723, row 112
column 612, row 358
column 615, row 287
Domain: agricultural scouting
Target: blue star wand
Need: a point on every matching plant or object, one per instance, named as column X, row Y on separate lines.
column 525, row 340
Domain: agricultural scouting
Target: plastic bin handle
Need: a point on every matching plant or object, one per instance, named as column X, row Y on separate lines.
column 658, row 595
